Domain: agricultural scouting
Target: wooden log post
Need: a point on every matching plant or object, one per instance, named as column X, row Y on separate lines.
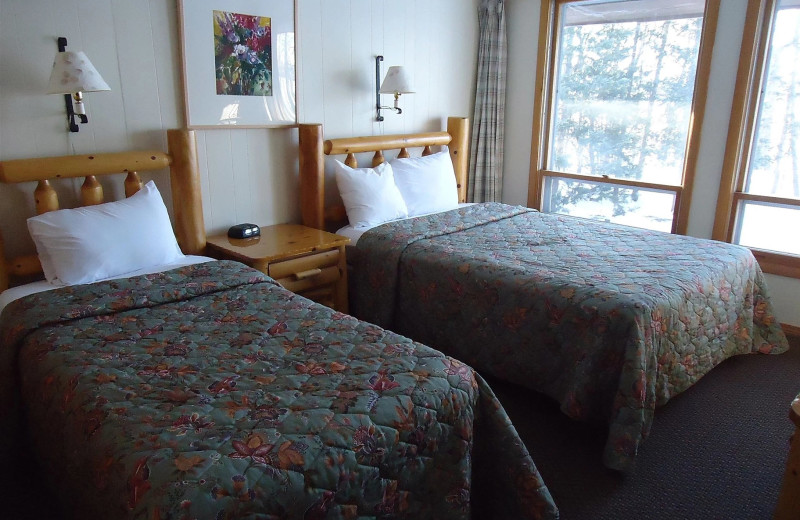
column 378, row 158
column 458, row 128
column 187, row 200
column 312, row 176
column 71, row 166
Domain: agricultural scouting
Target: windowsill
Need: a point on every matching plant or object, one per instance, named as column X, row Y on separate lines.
column 777, row 263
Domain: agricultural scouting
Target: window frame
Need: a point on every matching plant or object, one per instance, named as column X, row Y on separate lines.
column 544, row 104
column 741, row 132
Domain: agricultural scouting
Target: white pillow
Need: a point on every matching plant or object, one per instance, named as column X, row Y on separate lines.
column 369, row 194
column 83, row 245
column 427, row 184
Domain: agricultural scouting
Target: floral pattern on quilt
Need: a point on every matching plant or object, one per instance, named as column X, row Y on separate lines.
column 211, row 392
column 611, row 321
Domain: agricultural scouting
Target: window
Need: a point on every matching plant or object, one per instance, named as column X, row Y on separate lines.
column 759, row 203
column 618, row 118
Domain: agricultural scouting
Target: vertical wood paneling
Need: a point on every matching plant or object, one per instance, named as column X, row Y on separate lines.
column 202, row 161
column 105, row 110
column 311, row 87
column 240, row 173
column 137, row 71
column 261, row 158
column 14, row 100
column 64, row 20
column 164, row 22
column 409, row 59
column 377, row 32
column 421, row 110
column 219, row 161
column 278, row 199
column 394, row 30
column 245, row 174
column 337, row 67
column 362, row 69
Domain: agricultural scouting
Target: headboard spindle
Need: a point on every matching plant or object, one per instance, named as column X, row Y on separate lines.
column 45, row 197
column 91, row 191
column 133, row 183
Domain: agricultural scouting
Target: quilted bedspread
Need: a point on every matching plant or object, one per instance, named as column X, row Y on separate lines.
column 609, row 320
column 211, row 392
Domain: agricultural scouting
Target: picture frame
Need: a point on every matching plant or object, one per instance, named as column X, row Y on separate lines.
column 238, row 60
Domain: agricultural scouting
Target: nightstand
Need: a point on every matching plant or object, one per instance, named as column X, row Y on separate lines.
column 307, row 261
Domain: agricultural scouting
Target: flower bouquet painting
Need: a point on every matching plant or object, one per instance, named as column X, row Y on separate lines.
column 239, row 62
column 242, row 54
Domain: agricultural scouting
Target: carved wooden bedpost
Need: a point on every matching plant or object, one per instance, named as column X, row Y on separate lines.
column 312, row 176
column 458, row 128
column 187, row 200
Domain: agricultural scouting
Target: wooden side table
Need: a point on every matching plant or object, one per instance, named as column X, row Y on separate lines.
column 789, row 497
column 304, row 260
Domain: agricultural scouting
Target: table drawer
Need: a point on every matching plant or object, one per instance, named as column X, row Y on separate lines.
column 316, row 278
column 307, row 272
column 298, row 268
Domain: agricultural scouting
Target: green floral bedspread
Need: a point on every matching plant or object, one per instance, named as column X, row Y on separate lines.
column 609, row 320
column 210, row 392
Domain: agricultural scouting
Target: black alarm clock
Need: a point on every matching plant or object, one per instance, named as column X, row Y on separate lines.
column 244, row 231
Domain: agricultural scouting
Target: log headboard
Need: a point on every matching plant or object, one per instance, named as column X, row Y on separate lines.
column 312, row 162
column 184, row 181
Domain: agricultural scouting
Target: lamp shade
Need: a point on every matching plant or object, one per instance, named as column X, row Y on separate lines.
column 397, row 81
column 73, row 72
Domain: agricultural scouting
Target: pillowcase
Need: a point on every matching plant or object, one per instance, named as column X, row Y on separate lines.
column 83, row 245
column 427, row 184
column 370, row 195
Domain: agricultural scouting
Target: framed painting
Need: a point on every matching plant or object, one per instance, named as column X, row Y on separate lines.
column 238, row 60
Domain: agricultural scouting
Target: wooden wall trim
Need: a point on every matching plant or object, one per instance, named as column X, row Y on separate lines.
column 740, row 121
column 707, row 37
column 544, row 59
column 791, row 330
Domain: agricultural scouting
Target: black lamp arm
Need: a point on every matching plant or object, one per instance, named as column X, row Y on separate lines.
column 378, row 107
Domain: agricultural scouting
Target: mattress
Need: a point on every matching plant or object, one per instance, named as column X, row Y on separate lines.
column 14, row 293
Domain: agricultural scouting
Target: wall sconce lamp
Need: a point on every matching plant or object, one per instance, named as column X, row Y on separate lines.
column 72, row 75
column 396, row 82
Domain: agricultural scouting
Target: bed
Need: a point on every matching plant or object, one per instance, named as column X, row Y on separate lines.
column 610, row 321
column 208, row 391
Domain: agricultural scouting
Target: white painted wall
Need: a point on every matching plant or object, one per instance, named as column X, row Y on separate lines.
column 523, row 35
column 247, row 175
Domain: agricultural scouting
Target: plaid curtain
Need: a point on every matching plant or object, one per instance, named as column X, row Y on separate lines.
column 486, row 151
